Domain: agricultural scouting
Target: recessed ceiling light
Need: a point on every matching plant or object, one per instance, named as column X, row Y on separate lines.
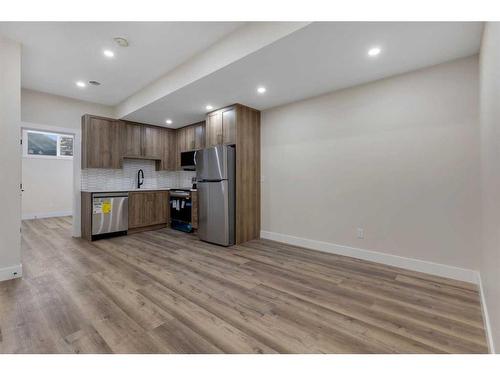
column 374, row 51
column 108, row 53
column 122, row 42
column 209, row 107
column 80, row 83
column 168, row 121
column 261, row 90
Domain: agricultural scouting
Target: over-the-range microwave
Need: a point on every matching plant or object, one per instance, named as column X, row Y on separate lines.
column 187, row 160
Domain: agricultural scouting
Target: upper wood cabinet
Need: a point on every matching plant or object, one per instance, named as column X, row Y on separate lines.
column 181, row 140
column 199, row 136
column 169, row 160
column 142, row 141
column 132, row 140
column 189, row 138
column 213, row 129
column 152, row 141
column 101, row 142
column 106, row 142
column 228, row 117
column 221, row 127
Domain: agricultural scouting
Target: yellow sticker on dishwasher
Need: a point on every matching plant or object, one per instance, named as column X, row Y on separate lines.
column 106, row 207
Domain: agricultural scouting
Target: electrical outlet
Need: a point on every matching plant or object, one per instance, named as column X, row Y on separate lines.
column 361, row 233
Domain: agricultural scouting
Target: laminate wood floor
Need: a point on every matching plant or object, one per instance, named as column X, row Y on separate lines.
column 167, row 292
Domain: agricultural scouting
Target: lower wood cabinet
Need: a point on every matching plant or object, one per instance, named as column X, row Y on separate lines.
column 147, row 209
column 194, row 209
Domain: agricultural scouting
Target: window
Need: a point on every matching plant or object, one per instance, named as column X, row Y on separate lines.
column 47, row 144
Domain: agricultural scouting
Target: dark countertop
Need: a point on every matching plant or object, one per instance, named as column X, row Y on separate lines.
column 132, row 190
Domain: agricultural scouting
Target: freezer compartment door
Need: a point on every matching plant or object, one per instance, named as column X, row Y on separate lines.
column 109, row 214
column 214, row 163
column 215, row 213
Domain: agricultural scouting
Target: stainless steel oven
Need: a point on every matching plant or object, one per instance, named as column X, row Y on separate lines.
column 180, row 210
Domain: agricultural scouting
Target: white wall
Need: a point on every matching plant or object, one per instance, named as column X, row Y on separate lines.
column 490, row 175
column 398, row 157
column 48, row 188
column 49, row 184
column 41, row 108
column 10, row 163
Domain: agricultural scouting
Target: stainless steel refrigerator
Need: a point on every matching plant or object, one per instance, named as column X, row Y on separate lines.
column 215, row 181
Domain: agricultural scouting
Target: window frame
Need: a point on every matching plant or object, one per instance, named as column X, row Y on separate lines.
column 58, row 156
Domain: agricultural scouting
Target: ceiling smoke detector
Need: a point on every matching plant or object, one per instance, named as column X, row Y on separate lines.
column 94, row 83
column 122, row 42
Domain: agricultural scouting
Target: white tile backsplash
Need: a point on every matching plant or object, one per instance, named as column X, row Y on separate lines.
column 126, row 178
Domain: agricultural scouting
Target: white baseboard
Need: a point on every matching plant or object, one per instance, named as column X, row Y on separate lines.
column 412, row 264
column 11, row 272
column 486, row 316
column 41, row 215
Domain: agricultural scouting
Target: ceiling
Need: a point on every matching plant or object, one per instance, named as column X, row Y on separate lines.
column 57, row 54
column 316, row 59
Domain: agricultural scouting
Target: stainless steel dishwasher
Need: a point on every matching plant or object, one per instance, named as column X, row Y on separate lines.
column 109, row 214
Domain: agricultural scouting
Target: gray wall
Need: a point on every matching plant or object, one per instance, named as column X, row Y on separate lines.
column 10, row 162
column 398, row 157
column 490, row 174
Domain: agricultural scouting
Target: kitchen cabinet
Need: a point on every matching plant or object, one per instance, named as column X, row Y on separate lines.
column 169, row 149
column 213, row 129
column 101, row 142
column 181, row 140
column 142, row 141
column 194, row 209
column 147, row 209
column 221, row 127
column 180, row 145
column 247, row 174
column 132, row 140
column 152, row 141
column 228, row 117
column 199, row 136
column 149, row 142
column 106, row 142
column 189, row 137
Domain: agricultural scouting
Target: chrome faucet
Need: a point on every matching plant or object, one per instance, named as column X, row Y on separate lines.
column 140, row 178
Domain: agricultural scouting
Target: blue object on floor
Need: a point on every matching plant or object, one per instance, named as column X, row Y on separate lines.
column 182, row 226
